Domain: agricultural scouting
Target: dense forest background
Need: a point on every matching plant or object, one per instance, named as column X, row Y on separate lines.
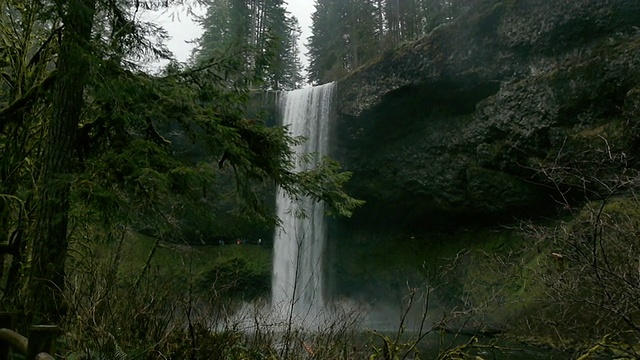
column 231, row 27
column 348, row 34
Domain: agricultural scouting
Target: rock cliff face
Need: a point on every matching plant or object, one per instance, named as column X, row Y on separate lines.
column 473, row 122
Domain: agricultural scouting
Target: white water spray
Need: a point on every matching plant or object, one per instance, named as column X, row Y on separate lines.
column 299, row 244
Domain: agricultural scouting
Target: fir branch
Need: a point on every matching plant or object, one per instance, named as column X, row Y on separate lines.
column 32, row 94
column 38, row 55
column 154, row 135
column 208, row 65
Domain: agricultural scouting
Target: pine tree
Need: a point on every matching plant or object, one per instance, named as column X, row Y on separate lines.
column 361, row 29
column 261, row 31
column 218, row 34
column 284, row 63
column 346, row 34
column 343, row 37
column 326, row 44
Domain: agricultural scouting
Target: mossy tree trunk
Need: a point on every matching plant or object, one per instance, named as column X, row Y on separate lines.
column 46, row 282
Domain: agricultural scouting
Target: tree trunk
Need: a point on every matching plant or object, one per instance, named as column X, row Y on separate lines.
column 380, row 23
column 393, row 19
column 46, row 282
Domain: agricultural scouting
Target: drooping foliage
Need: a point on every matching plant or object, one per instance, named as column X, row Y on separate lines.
column 348, row 33
column 92, row 147
column 260, row 32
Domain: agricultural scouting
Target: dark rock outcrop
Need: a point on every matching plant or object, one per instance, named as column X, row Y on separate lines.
column 465, row 124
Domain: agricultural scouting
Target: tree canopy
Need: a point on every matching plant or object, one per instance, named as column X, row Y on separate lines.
column 262, row 32
column 348, row 33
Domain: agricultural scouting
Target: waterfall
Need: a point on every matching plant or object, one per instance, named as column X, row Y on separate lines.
column 299, row 243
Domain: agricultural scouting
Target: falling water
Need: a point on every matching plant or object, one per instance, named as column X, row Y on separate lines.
column 299, row 243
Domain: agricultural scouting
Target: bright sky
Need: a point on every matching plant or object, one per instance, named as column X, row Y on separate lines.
column 182, row 29
column 302, row 9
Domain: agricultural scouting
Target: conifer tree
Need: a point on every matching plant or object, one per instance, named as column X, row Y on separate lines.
column 343, row 37
column 348, row 33
column 326, row 44
column 217, row 32
column 261, row 32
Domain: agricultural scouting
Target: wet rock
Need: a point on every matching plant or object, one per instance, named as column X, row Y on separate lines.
column 459, row 126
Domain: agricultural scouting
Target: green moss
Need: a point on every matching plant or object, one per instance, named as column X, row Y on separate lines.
column 181, row 265
column 486, row 19
column 614, row 212
column 613, row 130
column 235, row 277
column 625, row 206
column 498, row 191
column 386, row 261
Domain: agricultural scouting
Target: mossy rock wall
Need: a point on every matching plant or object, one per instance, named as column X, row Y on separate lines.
column 455, row 129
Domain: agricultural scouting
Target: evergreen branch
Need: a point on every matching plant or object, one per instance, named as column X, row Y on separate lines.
column 8, row 249
column 209, row 65
column 36, row 57
column 155, row 135
column 33, row 93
